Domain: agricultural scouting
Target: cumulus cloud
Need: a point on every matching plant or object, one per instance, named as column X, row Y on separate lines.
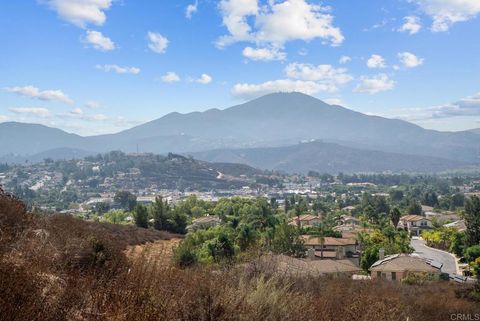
column 305, row 78
column 98, row 41
column 157, row 43
column 191, row 10
column 412, row 25
column 445, row 13
column 78, row 113
column 204, row 79
column 264, row 54
column 409, row 60
column 344, row 59
column 170, row 77
column 465, row 107
column 321, row 73
column 277, row 23
column 118, row 69
column 375, row 84
column 31, row 111
column 334, row 101
column 250, row 91
column 80, row 12
column 376, row 61
column 34, row 92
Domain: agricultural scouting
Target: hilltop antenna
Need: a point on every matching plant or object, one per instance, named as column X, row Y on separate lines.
column 137, row 148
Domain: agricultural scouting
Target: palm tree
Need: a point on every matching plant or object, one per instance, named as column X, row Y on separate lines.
column 319, row 232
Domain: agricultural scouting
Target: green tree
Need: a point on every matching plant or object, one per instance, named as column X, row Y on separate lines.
column 140, row 215
column 286, row 240
column 472, row 220
column 395, row 215
column 126, row 200
column 414, row 208
column 158, row 213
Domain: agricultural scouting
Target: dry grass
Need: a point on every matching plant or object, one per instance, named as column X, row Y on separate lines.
column 60, row 268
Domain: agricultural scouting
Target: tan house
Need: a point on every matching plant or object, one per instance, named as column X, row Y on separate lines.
column 332, row 247
column 396, row 267
column 415, row 224
column 306, row 220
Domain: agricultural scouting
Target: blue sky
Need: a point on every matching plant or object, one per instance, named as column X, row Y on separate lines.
column 100, row 66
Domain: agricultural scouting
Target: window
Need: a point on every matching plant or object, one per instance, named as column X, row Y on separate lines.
column 379, row 274
column 394, row 276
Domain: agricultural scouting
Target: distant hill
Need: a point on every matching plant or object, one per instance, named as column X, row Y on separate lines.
column 274, row 120
column 54, row 154
column 475, row 131
column 328, row 158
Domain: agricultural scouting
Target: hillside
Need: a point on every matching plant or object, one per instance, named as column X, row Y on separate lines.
column 328, row 158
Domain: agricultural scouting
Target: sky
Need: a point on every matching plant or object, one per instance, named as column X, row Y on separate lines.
column 101, row 66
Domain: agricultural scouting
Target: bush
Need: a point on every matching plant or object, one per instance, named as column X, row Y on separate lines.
column 472, row 253
column 184, row 256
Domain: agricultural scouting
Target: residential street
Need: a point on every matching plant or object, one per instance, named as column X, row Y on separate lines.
column 424, row 251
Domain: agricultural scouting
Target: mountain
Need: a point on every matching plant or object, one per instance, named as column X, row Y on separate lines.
column 29, row 139
column 275, row 120
column 328, row 158
column 62, row 153
column 475, row 131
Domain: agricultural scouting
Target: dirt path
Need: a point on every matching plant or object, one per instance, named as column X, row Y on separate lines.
column 159, row 251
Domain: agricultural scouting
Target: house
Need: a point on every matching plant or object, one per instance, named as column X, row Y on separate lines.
column 415, row 224
column 204, row 222
column 398, row 266
column 458, row 225
column 332, row 247
column 306, row 220
column 348, row 220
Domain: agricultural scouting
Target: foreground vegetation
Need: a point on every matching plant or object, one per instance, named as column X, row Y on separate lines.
column 62, row 268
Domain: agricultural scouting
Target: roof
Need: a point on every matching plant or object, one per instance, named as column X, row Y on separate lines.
column 294, row 266
column 307, row 217
column 329, row 241
column 403, row 263
column 458, row 225
column 413, row 218
column 206, row 219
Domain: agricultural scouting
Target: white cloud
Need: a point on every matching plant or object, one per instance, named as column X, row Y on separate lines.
column 3, row 118
column 376, row 61
column 250, row 91
column 157, row 42
column 204, row 79
column 277, row 23
column 334, row 101
column 321, row 73
column 98, row 41
column 465, row 107
column 375, row 84
column 412, row 25
column 409, row 60
column 170, row 77
column 80, row 12
column 445, row 13
column 34, row 92
column 80, row 115
column 191, row 9
column 119, row 69
column 344, row 59
column 264, row 54
column 92, row 104
column 32, row 111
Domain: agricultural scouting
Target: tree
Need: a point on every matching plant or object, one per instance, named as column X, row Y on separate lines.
column 286, row 240
column 158, row 213
column 319, row 232
column 126, row 200
column 414, row 208
column 221, row 248
column 472, row 220
column 369, row 256
column 140, row 215
column 395, row 216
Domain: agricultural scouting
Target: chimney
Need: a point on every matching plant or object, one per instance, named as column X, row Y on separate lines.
column 381, row 254
column 311, row 254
